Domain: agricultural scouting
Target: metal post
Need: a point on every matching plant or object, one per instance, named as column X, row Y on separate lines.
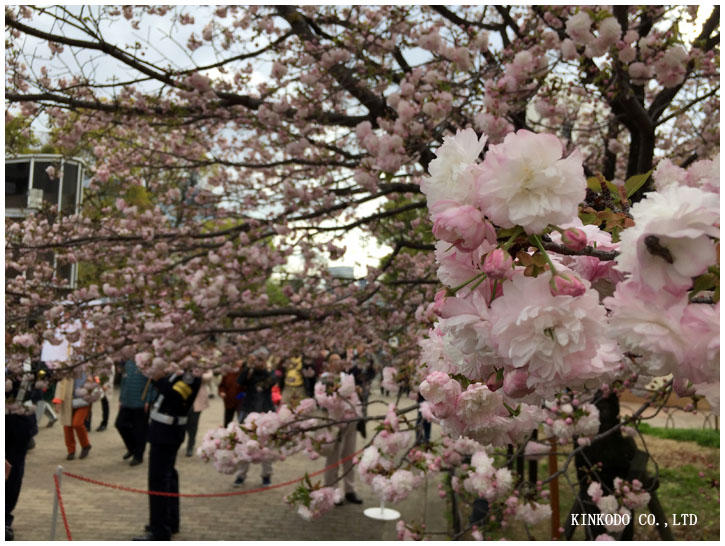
column 554, row 493
column 54, row 520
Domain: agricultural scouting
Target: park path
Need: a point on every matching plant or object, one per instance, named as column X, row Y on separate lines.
column 101, row 513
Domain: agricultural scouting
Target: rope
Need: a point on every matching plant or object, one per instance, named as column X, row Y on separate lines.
column 203, row 495
column 60, row 504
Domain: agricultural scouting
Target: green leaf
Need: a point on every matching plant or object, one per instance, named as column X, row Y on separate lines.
column 708, row 281
column 593, row 184
column 588, row 218
column 635, row 182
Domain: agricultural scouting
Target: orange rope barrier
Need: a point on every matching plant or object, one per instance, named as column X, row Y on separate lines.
column 60, row 504
column 203, row 495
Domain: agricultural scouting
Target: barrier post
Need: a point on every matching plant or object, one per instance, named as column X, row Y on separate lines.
column 54, row 520
column 554, row 494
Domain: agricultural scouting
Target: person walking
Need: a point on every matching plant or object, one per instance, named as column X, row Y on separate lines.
column 343, row 448
column 257, row 380
column 132, row 419
column 106, row 388
column 74, row 410
column 201, row 402
column 169, row 415
column 44, row 405
column 230, row 392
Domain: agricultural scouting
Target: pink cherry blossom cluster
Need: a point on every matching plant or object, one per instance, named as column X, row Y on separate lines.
column 228, row 447
column 626, row 498
column 409, row 530
column 388, row 465
column 337, row 395
column 484, row 480
column 314, row 502
column 674, row 240
column 311, row 426
column 567, row 418
column 389, row 381
column 523, row 181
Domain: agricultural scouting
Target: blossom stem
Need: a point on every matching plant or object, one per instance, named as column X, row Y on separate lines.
column 540, row 246
column 509, row 243
column 483, row 278
column 480, row 276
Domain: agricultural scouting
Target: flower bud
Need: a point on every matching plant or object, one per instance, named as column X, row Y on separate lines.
column 438, row 302
column 514, row 384
column 683, row 388
column 574, row 239
column 568, row 285
column 498, row 264
column 495, row 381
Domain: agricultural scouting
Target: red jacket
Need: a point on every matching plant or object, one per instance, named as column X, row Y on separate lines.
column 231, row 389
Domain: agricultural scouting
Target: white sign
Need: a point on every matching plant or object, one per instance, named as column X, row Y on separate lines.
column 35, row 198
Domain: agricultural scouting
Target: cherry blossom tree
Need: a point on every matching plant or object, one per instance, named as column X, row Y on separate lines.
column 555, row 169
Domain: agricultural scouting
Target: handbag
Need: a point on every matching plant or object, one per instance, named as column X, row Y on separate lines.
column 79, row 403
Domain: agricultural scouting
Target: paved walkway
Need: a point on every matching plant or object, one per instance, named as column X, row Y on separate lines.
column 101, row 513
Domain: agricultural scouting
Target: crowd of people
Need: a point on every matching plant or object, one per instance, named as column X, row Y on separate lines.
column 163, row 412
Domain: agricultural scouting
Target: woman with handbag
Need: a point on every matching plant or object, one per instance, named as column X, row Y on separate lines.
column 71, row 395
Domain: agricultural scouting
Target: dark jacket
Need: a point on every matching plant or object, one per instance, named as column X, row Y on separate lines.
column 257, row 384
column 178, row 393
column 133, row 385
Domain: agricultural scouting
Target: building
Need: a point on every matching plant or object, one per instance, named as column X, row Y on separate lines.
column 34, row 179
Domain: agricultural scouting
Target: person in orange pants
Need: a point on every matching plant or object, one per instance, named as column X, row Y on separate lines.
column 73, row 413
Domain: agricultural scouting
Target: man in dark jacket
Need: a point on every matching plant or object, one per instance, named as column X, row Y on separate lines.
column 257, row 381
column 166, row 434
column 132, row 420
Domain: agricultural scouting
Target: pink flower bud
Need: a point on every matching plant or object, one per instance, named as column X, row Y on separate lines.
column 568, row 285
column 683, row 388
column 438, row 301
column 495, row 381
column 514, row 384
column 498, row 264
column 574, row 239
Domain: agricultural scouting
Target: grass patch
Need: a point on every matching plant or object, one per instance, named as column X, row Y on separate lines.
column 689, row 484
column 688, row 489
column 702, row 437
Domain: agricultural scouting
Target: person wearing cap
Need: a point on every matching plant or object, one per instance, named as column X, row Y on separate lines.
column 343, row 448
column 167, row 427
